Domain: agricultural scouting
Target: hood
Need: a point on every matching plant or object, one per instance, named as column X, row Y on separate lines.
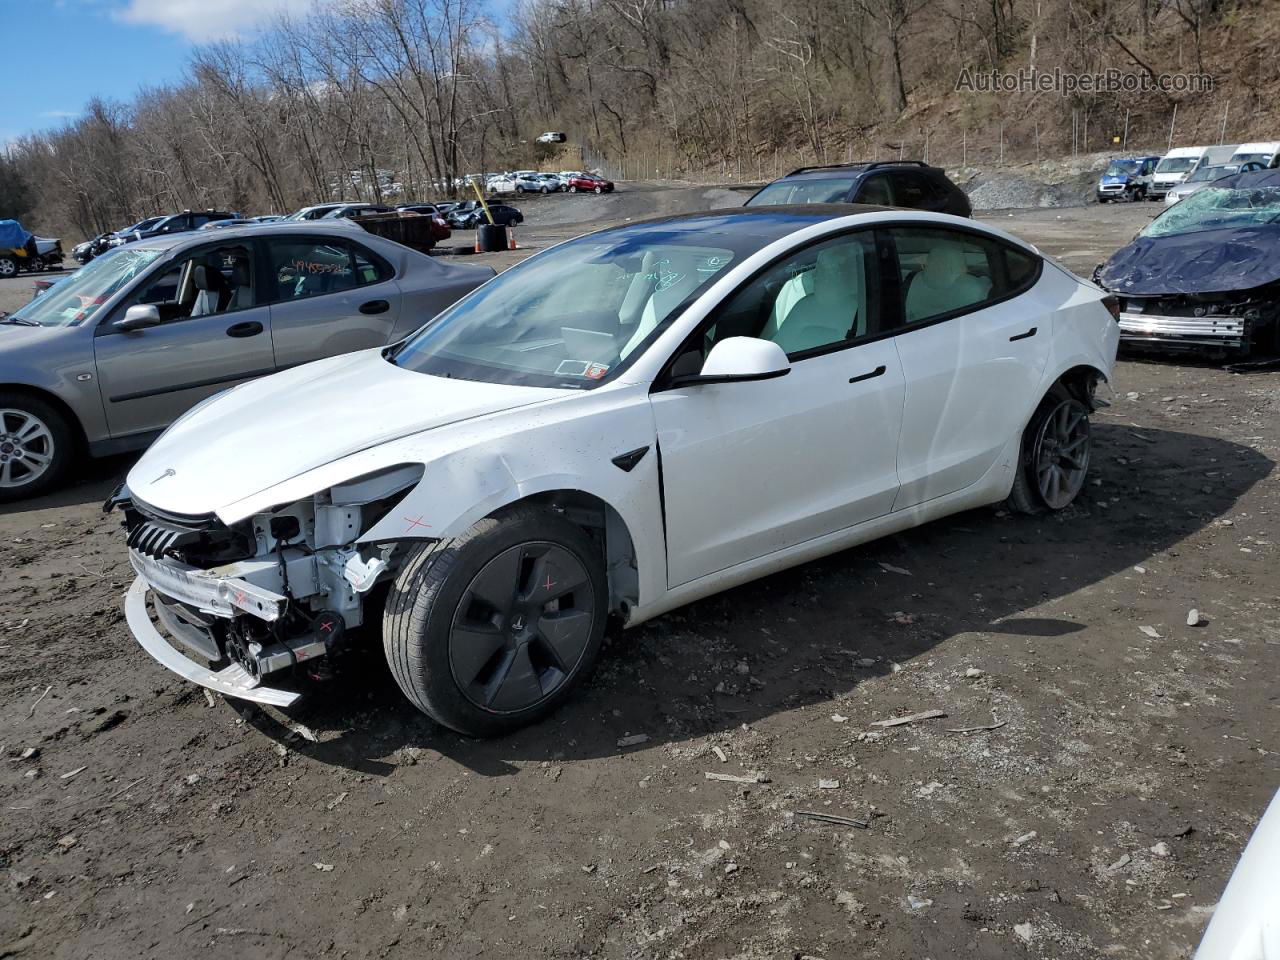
column 264, row 432
column 1116, row 177
column 1208, row 261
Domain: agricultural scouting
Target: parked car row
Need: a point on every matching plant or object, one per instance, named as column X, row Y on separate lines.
column 1162, row 177
column 531, row 181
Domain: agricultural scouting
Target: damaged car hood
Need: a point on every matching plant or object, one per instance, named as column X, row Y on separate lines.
column 1207, row 261
column 264, row 432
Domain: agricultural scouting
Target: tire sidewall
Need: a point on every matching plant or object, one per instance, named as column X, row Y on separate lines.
column 1025, row 496
column 429, row 599
column 65, row 445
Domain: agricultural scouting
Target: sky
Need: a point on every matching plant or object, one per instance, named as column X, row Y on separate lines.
column 69, row 51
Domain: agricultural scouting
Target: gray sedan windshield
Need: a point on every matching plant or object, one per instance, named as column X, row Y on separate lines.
column 75, row 299
column 815, row 190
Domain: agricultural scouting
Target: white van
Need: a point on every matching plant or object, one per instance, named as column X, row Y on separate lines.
column 1262, row 152
column 1174, row 167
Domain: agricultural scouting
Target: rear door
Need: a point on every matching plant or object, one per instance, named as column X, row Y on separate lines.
column 203, row 345
column 973, row 347
column 328, row 295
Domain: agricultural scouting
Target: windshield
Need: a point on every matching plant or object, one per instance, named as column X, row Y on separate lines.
column 521, row 328
column 146, row 224
column 1176, row 164
column 817, row 190
column 1215, row 208
column 78, row 297
column 1120, row 168
column 1211, row 173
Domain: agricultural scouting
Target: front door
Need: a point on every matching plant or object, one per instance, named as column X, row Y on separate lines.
column 756, row 467
column 212, row 335
column 973, row 351
column 329, row 295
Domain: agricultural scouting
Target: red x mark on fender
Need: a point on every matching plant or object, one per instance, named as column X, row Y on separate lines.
column 416, row 522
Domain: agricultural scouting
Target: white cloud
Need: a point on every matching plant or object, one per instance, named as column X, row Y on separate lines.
column 201, row 21
column 60, row 114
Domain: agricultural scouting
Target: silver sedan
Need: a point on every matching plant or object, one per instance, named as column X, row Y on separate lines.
column 107, row 359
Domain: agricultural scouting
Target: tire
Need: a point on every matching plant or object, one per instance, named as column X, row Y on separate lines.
column 463, row 627
column 1043, row 451
column 31, row 427
column 8, row 267
column 573, row 189
column 599, row 189
column 546, row 190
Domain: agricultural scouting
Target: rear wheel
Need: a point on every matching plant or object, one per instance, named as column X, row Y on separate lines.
column 36, row 446
column 1053, row 462
column 8, row 267
column 573, row 189
column 492, row 630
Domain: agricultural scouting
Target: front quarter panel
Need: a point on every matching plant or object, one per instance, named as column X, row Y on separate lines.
column 57, row 360
column 476, row 467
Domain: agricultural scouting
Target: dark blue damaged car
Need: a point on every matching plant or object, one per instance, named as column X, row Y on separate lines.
column 1204, row 276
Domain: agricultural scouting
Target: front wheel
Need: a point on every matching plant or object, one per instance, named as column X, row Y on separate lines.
column 490, row 631
column 599, row 189
column 36, row 446
column 1053, row 461
column 8, row 267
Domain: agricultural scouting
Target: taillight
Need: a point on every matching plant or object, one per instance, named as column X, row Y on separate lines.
column 1113, row 307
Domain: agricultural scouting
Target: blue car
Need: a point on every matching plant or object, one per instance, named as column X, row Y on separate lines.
column 1128, row 178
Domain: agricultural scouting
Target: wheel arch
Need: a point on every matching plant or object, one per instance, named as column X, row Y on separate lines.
column 1081, row 380
column 55, row 401
column 605, row 525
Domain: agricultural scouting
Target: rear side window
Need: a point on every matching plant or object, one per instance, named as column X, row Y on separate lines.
column 912, row 190
column 304, row 267
column 949, row 272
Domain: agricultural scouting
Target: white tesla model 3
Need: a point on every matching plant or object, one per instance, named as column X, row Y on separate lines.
column 619, row 425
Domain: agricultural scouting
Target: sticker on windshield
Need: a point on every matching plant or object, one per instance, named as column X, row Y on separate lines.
column 582, row 368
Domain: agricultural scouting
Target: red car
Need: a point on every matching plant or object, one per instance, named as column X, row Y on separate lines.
column 586, row 182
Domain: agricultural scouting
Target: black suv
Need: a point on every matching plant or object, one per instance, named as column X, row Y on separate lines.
column 178, row 223
column 888, row 183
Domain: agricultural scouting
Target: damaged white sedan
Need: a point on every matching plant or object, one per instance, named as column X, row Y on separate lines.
column 615, row 427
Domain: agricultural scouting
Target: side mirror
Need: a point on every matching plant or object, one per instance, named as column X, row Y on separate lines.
column 139, row 317
column 737, row 360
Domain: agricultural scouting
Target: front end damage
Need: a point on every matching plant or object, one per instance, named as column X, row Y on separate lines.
column 1234, row 323
column 270, row 598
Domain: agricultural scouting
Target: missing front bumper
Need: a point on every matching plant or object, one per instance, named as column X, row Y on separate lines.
column 232, row 681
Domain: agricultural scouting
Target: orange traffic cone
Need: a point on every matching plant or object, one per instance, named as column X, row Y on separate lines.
column 511, row 238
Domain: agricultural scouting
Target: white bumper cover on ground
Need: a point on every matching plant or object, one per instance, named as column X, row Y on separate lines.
column 233, row 681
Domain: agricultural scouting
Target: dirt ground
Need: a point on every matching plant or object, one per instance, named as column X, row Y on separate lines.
column 1131, row 756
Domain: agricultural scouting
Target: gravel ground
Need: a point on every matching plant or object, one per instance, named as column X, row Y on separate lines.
column 1131, row 753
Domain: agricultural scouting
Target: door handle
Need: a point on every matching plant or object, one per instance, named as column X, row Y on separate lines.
column 868, row 376
column 375, row 306
column 1024, row 336
column 249, row 328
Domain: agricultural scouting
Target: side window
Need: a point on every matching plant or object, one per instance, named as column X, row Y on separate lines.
column 211, row 280
column 827, row 294
column 946, row 272
column 198, row 220
column 875, row 189
column 301, row 267
column 368, row 268
column 912, row 190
